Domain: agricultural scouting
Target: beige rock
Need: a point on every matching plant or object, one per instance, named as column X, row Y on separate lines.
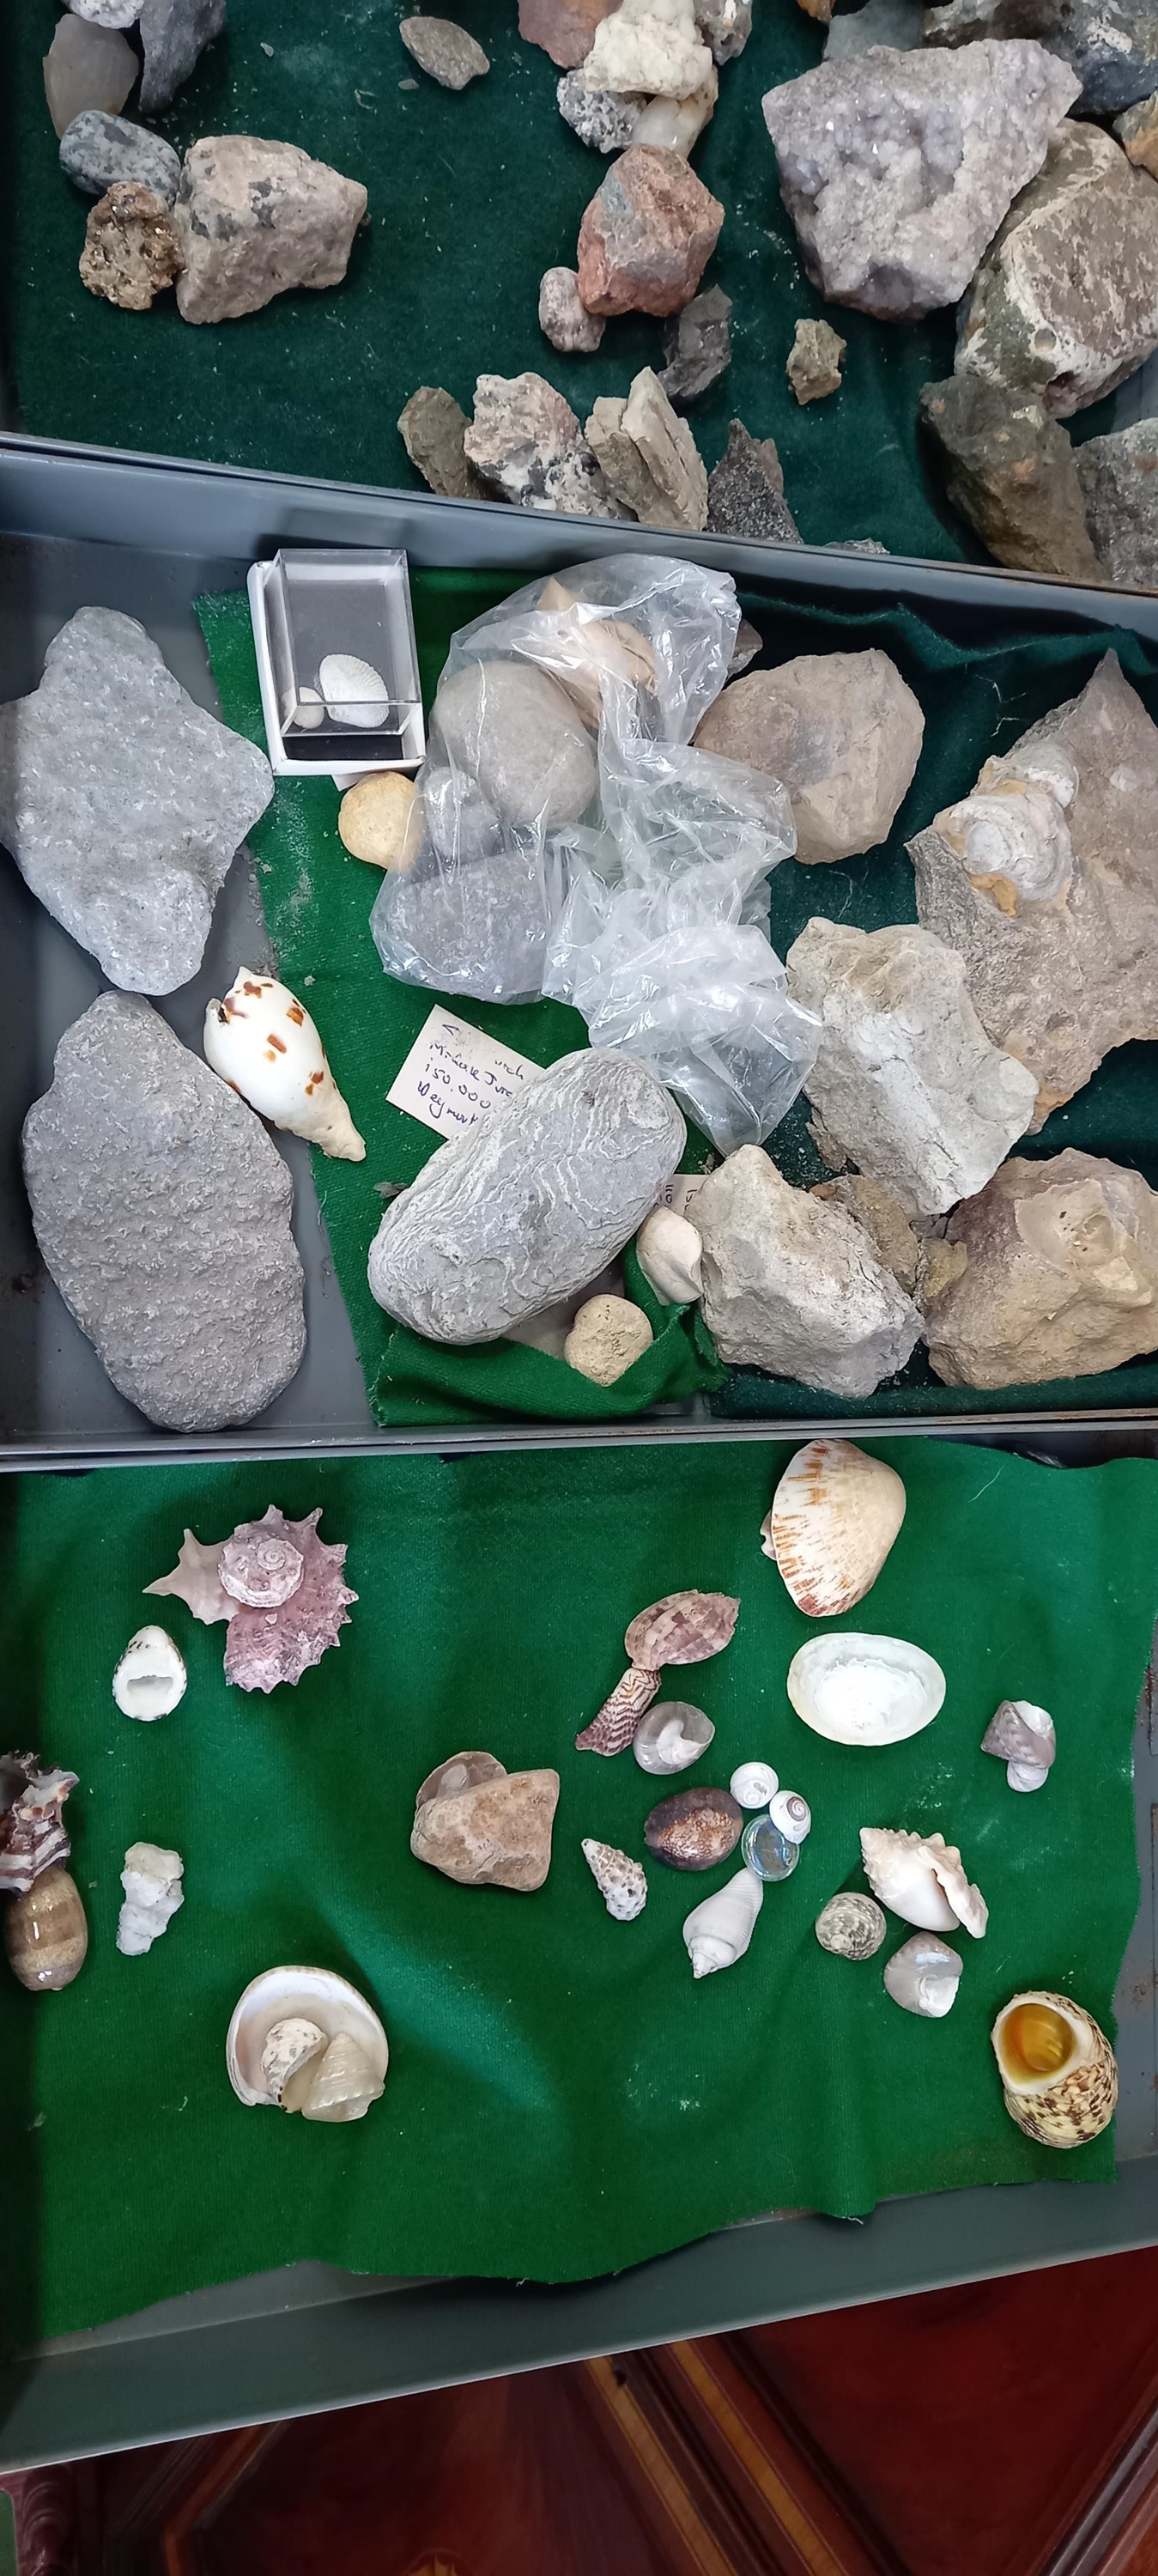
column 607, row 1337
column 497, row 1834
column 1061, row 1278
column 674, row 124
column 434, row 428
column 86, row 66
column 253, row 219
column 814, row 361
column 896, row 1245
column 840, row 730
column 649, row 456
column 647, row 235
column 130, row 254
column 526, row 444
column 652, row 46
column 791, row 1284
column 563, row 320
column 380, row 820
column 1065, row 302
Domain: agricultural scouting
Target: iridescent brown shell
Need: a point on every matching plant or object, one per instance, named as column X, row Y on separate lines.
column 615, row 1726
column 45, row 1933
column 684, row 1628
column 695, row 1828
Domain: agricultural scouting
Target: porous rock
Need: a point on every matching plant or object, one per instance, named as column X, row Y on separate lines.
column 600, row 117
column 98, row 150
column 725, row 25
column 649, row 45
column 841, row 731
column 434, row 428
column 162, row 1213
column 130, row 253
column 813, row 368
column 254, row 219
column 122, row 801
column 174, row 34
column 649, row 457
column 497, row 1834
column 897, row 168
column 1061, row 1278
column 515, row 731
column 1118, row 476
column 1111, row 45
column 444, row 50
column 746, row 491
column 86, row 66
column 563, row 320
column 531, row 1203
column 527, row 446
column 792, row 1285
column 564, row 28
column 697, row 345
column 1065, row 302
column 608, row 1335
column 1011, row 472
column 1045, row 879
column 905, row 1076
column 647, row 235
column 1137, row 132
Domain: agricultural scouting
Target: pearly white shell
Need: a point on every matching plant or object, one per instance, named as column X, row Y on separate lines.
column 1026, row 1775
column 150, row 1677
column 857, row 1689
column 620, row 1880
column 262, row 1041
column 669, row 1252
column 923, row 1976
column 335, row 2008
column 835, row 1514
column 337, row 2086
column 717, row 1932
column 921, row 1878
column 354, row 692
column 754, row 1784
column 151, row 1879
column 671, row 1737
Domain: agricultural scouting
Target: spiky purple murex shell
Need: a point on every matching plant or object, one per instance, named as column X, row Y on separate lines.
column 265, row 1647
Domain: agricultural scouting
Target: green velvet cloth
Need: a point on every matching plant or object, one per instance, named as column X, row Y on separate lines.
column 977, row 698
column 563, row 2099
column 472, row 196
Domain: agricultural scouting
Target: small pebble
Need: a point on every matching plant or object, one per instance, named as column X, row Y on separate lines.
column 96, row 150
column 445, row 51
column 380, row 820
column 267, row 49
column 563, row 320
column 608, row 1335
column 814, row 361
column 86, row 67
column 309, row 712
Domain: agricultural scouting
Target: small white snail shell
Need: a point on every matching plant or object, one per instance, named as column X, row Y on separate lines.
column 792, row 1813
column 150, row 1677
column 717, row 1932
column 262, row 1040
column 755, row 1784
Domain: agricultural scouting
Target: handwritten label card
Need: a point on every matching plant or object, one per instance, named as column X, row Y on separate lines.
column 453, row 1075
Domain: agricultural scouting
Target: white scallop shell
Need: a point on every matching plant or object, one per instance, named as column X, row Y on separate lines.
column 299, row 1994
column 150, row 1677
column 354, row 692
column 262, row 1041
column 717, row 1932
column 835, row 1514
column 856, row 1689
column 755, row 1784
column 921, row 1878
column 923, row 1976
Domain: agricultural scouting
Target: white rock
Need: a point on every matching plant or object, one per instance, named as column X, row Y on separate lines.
column 151, row 1879
column 792, row 1284
column 608, row 1335
column 674, row 124
column 668, row 1250
column 150, row 1677
column 652, row 46
column 354, row 692
column 905, row 1076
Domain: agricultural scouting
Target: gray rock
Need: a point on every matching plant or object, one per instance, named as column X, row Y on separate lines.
column 526, row 444
column 1011, row 472
column 1065, row 302
column 122, row 801
column 697, row 345
column 896, row 23
column 905, row 1076
column 1137, row 133
column 896, row 1246
column 174, row 33
column 1060, row 1279
column 434, row 428
column 97, row 150
column 814, row 361
column 451, row 57
column 86, row 66
column 162, row 1211
column 897, row 168
column 563, row 320
column 725, row 25
column 529, row 1205
column 516, row 733
column 1045, row 879
column 466, row 923
column 1119, row 482
column 842, row 732
column 603, row 118
column 792, row 1285
column 746, row 492
column 649, row 457
column 1111, row 45
column 253, row 219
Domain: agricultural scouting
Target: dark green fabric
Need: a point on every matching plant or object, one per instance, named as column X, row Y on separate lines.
column 562, row 2098
column 471, row 198
column 977, row 698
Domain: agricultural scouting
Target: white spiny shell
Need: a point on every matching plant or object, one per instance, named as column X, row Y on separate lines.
column 151, row 1879
column 920, row 1877
column 262, row 1041
column 289, row 2044
column 923, row 1976
column 150, row 1677
column 620, row 1880
column 857, row 1689
column 354, row 692
column 669, row 1252
column 755, row 1784
column 1072, row 2102
column 717, row 1932
column 313, row 1995
column 835, row 1514
column 339, row 2086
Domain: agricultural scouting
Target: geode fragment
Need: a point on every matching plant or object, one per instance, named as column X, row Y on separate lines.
column 1112, row 45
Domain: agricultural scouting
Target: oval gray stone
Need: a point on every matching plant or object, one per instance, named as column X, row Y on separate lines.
column 531, row 1203
column 96, row 151
column 514, row 730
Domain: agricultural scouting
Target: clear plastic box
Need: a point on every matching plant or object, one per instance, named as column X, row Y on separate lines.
column 337, row 662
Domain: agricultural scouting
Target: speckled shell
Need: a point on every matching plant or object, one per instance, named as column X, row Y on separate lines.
column 261, row 1040
column 835, row 1515
column 684, row 1628
column 695, row 1828
column 1021, row 1732
column 1070, row 2108
column 621, row 1881
column 615, row 1726
column 45, row 1933
column 265, row 1647
column 851, row 1926
column 289, row 1994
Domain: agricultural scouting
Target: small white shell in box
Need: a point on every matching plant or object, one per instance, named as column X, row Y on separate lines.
column 303, row 2039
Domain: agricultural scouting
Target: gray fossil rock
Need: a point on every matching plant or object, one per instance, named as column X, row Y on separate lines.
column 433, row 428
column 792, row 1284
column 173, row 34
column 1065, row 302
column 526, row 445
column 122, row 801
column 97, row 151
column 253, row 219
column 603, row 118
column 746, row 491
column 1112, row 45
column 1045, row 880
column 1061, row 1278
column 897, row 168
column 162, row 1211
column 529, row 1205
column 1011, row 472
column 1118, row 476
column 842, row 732
column 649, row 456
column 514, row 730
column 905, row 1076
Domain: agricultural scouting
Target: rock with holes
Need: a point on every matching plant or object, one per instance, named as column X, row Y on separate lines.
column 1060, row 1279
column 130, row 254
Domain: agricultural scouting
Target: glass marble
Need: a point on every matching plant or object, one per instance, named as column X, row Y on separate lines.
column 768, row 1852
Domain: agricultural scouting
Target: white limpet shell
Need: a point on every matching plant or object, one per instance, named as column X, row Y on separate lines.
column 354, row 692
column 620, row 1880
column 671, row 1737
column 923, row 1976
column 262, row 1041
column 835, row 1515
column 856, row 1689
column 337, row 2083
column 1071, row 2100
column 717, row 1932
column 151, row 1879
column 792, row 1813
column 920, row 1877
column 669, row 1252
column 755, row 1784
column 309, row 711
column 150, row 1677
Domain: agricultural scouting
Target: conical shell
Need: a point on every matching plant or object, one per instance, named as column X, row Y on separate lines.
column 835, row 1514
column 614, row 1727
column 921, row 1878
column 262, row 1041
column 856, row 1689
column 1068, row 2105
column 717, row 1932
column 620, row 1880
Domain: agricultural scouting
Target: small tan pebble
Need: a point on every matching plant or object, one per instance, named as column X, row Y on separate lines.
column 130, row 250
column 45, row 1933
column 814, row 361
column 380, row 820
column 607, row 1336
column 444, row 49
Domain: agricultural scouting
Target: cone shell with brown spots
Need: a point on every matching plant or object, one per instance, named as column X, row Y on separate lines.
column 1076, row 2104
